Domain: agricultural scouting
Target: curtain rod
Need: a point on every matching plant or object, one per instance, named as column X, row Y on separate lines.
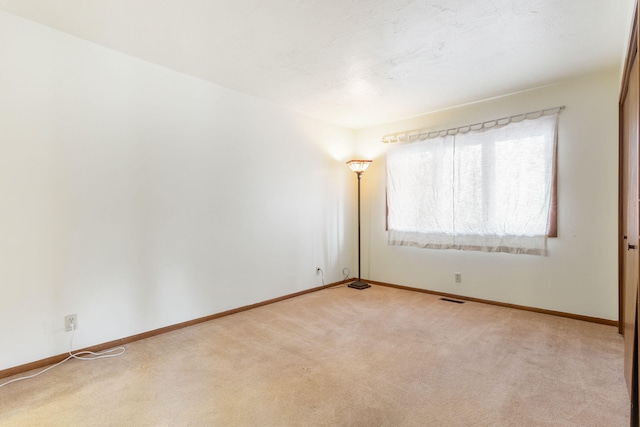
column 422, row 134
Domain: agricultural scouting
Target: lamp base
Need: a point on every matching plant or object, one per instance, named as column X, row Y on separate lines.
column 359, row 285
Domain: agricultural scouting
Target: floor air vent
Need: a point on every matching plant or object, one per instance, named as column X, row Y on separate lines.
column 452, row 300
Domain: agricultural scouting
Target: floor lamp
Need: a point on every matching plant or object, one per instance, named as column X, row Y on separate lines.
column 359, row 166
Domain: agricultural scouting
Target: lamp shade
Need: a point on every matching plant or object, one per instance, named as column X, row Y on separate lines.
column 359, row 166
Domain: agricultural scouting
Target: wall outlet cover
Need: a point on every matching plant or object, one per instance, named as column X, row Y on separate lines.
column 69, row 320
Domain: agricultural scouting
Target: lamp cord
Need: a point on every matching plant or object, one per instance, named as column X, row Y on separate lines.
column 81, row 355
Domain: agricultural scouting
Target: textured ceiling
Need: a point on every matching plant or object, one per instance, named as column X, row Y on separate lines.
column 355, row 63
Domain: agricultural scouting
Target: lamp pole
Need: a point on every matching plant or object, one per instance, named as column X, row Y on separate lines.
column 359, row 166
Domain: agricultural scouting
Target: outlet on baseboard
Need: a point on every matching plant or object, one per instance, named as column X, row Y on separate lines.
column 458, row 277
column 70, row 322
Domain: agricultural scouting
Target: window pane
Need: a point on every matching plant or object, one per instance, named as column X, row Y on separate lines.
column 422, row 191
column 519, row 202
column 487, row 190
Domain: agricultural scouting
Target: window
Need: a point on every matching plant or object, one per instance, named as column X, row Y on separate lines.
column 491, row 189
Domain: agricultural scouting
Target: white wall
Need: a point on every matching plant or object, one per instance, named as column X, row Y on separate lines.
column 580, row 274
column 138, row 197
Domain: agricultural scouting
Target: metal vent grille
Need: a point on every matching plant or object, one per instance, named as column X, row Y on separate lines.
column 452, row 300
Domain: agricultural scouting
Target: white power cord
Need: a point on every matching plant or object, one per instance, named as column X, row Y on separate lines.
column 322, row 273
column 81, row 355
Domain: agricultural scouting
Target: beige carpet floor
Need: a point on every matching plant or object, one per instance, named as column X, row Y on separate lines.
column 342, row 357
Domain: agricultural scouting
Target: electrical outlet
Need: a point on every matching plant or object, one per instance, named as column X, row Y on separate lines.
column 69, row 320
column 318, row 270
column 458, row 277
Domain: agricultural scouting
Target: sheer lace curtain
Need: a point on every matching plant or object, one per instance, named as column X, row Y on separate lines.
column 486, row 190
